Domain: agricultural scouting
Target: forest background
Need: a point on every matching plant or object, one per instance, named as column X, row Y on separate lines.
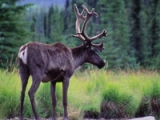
column 133, row 28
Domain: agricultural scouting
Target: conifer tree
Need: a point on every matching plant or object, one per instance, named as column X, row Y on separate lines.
column 45, row 25
column 156, row 34
column 115, row 20
column 14, row 30
column 56, row 25
column 33, row 28
column 145, row 26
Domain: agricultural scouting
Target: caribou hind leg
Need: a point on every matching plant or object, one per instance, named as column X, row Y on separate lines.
column 36, row 79
column 65, row 85
column 24, row 74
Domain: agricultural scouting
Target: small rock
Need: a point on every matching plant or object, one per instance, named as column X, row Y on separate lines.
column 144, row 118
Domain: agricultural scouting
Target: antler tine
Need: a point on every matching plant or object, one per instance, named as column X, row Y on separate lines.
column 79, row 20
column 88, row 16
column 90, row 13
column 103, row 33
column 99, row 47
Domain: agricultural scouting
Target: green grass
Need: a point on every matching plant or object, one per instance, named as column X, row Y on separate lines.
column 111, row 94
column 9, row 93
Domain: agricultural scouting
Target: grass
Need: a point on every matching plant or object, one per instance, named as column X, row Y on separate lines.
column 96, row 93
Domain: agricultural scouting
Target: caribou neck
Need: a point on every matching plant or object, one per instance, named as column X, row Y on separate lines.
column 78, row 56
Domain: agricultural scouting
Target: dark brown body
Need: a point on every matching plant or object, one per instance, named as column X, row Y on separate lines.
column 51, row 63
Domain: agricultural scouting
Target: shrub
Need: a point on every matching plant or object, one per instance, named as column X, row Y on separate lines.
column 117, row 103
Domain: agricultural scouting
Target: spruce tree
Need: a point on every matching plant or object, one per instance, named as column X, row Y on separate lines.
column 114, row 18
column 145, row 37
column 14, row 31
column 56, row 25
column 156, row 34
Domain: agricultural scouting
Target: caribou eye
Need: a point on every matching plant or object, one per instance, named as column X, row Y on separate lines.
column 87, row 44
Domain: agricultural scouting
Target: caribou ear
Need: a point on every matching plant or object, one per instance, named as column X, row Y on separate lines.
column 99, row 47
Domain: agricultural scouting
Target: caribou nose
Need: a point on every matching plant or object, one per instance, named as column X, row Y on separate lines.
column 101, row 65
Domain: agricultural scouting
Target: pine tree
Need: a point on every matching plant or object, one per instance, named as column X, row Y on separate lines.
column 45, row 25
column 115, row 19
column 33, row 28
column 12, row 34
column 144, row 32
column 67, row 15
column 56, row 25
column 156, row 34
column 135, row 31
column 50, row 13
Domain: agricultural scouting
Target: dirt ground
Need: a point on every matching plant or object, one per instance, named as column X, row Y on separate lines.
column 143, row 118
column 16, row 118
column 72, row 116
column 75, row 116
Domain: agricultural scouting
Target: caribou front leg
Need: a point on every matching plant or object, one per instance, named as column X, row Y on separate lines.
column 54, row 101
column 65, row 89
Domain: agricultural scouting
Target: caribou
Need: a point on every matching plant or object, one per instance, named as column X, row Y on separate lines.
column 57, row 63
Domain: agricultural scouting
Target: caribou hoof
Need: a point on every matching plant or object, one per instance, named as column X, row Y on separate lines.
column 20, row 118
column 36, row 119
column 65, row 118
column 53, row 118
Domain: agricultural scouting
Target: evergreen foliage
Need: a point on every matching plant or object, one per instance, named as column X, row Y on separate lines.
column 13, row 30
column 118, row 53
column 56, row 25
column 133, row 29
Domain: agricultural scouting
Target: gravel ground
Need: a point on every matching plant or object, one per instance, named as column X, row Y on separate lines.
column 142, row 118
column 75, row 118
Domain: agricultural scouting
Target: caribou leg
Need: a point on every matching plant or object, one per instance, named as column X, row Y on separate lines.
column 24, row 74
column 54, row 101
column 32, row 91
column 65, row 89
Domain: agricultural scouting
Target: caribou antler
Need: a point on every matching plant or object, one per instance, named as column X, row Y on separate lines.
column 80, row 19
column 81, row 34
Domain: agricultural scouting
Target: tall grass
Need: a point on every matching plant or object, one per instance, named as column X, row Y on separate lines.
column 110, row 94
column 9, row 93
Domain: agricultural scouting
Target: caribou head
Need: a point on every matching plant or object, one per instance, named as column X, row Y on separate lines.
column 84, row 17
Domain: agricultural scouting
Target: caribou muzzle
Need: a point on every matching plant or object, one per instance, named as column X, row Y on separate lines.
column 101, row 64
